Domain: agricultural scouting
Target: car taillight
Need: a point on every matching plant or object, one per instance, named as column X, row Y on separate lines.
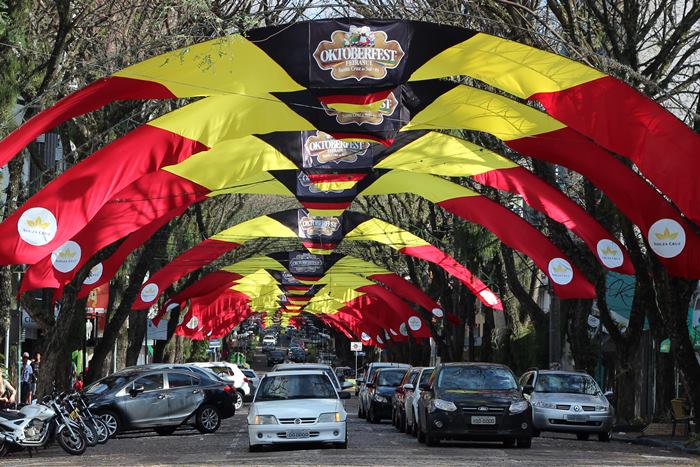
column 247, row 380
column 228, row 388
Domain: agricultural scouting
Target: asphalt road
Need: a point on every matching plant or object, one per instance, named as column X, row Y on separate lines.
column 368, row 445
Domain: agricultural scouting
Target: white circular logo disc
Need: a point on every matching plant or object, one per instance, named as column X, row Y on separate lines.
column 414, row 323
column 560, row 271
column 149, row 293
column 438, row 312
column 667, row 238
column 94, row 275
column 609, row 253
column 403, row 330
column 37, row 226
column 66, row 257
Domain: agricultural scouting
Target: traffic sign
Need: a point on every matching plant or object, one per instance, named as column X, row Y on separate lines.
column 356, row 346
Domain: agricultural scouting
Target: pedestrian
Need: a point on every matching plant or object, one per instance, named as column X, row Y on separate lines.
column 36, row 365
column 78, row 386
column 27, row 379
column 7, row 393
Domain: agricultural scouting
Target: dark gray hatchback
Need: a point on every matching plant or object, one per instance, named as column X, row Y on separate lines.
column 161, row 398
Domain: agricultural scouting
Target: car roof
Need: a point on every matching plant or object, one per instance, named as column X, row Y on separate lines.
column 389, row 364
column 296, row 372
column 561, row 372
column 300, row 366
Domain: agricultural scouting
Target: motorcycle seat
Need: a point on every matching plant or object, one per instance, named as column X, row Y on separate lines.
column 10, row 415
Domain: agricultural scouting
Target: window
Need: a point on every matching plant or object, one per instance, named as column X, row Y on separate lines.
column 150, row 382
column 460, row 378
column 390, row 377
column 179, row 380
column 412, row 379
column 295, row 387
column 425, row 377
column 567, row 383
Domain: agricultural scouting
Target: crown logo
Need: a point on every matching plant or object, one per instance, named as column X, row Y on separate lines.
column 610, row 251
column 666, row 235
column 38, row 223
column 67, row 254
column 560, row 269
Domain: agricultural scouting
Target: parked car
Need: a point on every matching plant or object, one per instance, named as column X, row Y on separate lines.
column 474, row 401
column 230, row 373
column 297, row 355
column 161, row 399
column 568, row 402
column 269, row 342
column 297, row 406
column 381, row 390
column 398, row 411
column 253, row 378
column 345, row 373
column 363, row 393
column 314, row 366
column 412, row 398
column 275, row 356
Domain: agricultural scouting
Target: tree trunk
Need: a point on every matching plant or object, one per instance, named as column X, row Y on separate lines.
column 137, row 331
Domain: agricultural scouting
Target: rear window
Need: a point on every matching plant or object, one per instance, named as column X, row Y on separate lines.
column 249, row 373
column 222, row 370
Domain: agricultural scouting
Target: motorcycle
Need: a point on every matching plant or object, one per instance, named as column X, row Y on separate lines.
column 80, row 412
column 36, row 424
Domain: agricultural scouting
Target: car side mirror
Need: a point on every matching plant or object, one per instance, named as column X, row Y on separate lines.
column 425, row 387
column 136, row 390
column 528, row 389
column 344, row 395
column 346, row 385
column 408, row 387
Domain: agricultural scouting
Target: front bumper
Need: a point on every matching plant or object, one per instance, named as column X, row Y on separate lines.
column 334, row 432
column 382, row 409
column 458, row 425
column 565, row 421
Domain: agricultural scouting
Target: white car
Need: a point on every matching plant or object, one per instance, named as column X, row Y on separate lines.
column 269, row 340
column 297, row 406
column 230, row 373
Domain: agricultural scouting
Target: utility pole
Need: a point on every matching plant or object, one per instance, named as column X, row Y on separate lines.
column 554, row 330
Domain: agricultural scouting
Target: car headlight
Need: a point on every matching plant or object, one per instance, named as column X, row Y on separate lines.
column 330, row 417
column 518, row 407
column 264, row 420
column 601, row 408
column 439, row 404
column 379, row 398
column 545, row 405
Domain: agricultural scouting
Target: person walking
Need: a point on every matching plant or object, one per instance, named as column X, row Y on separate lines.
column 7, row 393
column 36, row 365
column 27, row 379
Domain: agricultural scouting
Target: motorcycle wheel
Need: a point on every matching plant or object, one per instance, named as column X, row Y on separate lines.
column 4, row 448
column 74, row 444
column 90, row 433
column 102, row 431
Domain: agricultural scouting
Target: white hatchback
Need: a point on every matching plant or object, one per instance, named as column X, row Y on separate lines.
column 297, row 407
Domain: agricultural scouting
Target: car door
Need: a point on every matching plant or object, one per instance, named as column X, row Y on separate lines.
column 184, row 395
column 149, row 407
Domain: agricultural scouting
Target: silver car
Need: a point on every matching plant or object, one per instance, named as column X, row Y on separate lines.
column 568, row 402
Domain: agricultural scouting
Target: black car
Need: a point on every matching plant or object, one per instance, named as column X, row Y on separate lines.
column 161, row 398
column 274, row 357
column 474, row 401
column 297, row 355
column 381, row 389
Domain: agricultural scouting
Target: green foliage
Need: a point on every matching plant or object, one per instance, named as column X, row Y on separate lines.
column 198, row 352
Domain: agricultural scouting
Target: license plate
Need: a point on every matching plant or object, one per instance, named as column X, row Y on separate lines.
column 483, row 420
column 297, row 434
column 577, row 418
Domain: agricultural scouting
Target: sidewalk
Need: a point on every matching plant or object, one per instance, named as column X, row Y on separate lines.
column 656, row 441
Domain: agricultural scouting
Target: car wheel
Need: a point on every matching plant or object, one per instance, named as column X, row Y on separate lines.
column 360, row 412
column 255, row 447
column 508, row 442
column 239, row 401
column 208, row 419
column 112, row 421
column 373, row 416
column 432, row 440
column 344, row 444
column 524, row 443
column 421, row 436
column 605, row 436
column 582, row 436
column 166, row 430
column 403, row 424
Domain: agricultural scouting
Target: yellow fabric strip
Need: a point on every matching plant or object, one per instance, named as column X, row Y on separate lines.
column 515, row 68
column 473, row 109
column 379, row 231
column 430, row 187
column 441, row 154
column 224, row 65
column 262, row 226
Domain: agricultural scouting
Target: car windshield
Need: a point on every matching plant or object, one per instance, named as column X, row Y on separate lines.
column 563, row 383
column 425, row 376
column 283, row 387
column 108, row 383
column 390, row 377
column 475, row 378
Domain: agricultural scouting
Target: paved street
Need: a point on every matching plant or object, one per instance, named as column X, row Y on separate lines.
column 369, row 445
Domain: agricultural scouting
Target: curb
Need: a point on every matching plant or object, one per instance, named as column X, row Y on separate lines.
column 658, row 443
